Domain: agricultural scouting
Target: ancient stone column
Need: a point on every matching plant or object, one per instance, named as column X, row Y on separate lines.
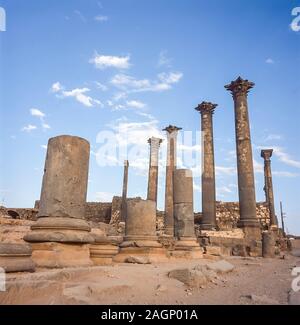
column 187, row 245
column 268, row 244
column 266, row 154
column 172, row 132
column 60, row 236
column 208, row 221
column 140, row 241
column 124, row 192
column 153, row 169
column 247, row 201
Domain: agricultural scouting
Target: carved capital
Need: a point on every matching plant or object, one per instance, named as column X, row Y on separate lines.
column 155, row 142
column 172, row 129
column 206, row 108
column 239, row 87
column 266, row 154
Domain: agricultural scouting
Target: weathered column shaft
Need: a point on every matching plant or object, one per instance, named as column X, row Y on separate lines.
column 247, row 200
column 171, row 166
column 208, row 221
column 153, row 168
column 267, row 154
column 124, row 192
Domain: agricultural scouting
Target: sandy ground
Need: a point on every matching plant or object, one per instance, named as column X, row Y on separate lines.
column 267, row 280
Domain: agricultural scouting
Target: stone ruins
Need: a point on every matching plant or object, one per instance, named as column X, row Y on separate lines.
column 65, row 231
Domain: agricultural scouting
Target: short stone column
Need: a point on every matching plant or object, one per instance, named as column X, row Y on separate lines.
column 208, row 221
column 172, row 132
column 153, row 169
column 268, row 244
column 266, row 154
column 187, row 245
column 60, row 236
column 247, row 201
column 140, row 241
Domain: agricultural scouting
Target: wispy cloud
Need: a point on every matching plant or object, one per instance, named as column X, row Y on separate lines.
column 80, row 94
column 37, row 112
column 270, row 61
column 272, row 137
column 101, row 18
column 109, row 61
column 130, row 84
column 29, row 128
column 164, row 60
column 285, row 157
column 80, row 15
column 135, row 104
column 104, row 196
column 101, row 86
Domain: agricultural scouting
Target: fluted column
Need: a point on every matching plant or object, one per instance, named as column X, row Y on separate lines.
column 247, row 201
column 266, row 154
column 153, row 169
column 172, row 132
column 208, row 221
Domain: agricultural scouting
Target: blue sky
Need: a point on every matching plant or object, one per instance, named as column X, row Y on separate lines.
column 121, row 70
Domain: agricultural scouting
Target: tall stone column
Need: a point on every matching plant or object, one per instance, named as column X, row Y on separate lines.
column 266, row 154
column 60, row 236
column 153, row 169
column 208, row 166
column 247, row 201
column 124, row 192
column 172, row 132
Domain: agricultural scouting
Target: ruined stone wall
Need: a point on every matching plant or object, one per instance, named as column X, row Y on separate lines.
column 98, row 211
column 18, row 213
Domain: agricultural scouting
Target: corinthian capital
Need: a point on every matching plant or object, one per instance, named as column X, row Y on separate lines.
column 240, row 87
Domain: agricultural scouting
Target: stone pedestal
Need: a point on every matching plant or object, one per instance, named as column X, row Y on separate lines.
column 61, row 236
column 16, row 258
column 104, row 249
column 268, row 244
column 186, row 245
column 140, row 233
column 208, row 221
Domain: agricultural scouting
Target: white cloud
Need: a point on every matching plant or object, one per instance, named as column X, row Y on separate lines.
column 37, row 112
column 101, row 18
column 270, row 61
column 56, row 87
column 101, row 86
column 109, row 61
column 78, row 93
column 223, row 190
column 285, row 174
column 46, row 126
column 29, row 128
column 258, row 167
column 285, row 158
column 130, row 84
column 220, row 170
column 272, row 137
column 135, row 104
column 44, row 146
column 164, row 60
column 80, row 15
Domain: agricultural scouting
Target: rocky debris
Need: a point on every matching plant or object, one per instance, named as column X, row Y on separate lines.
column 191, row 278
column 263, row 300
column 294, row 298
column 137, row 260
column 13, row 230
column 161, row 288
column 221, row 266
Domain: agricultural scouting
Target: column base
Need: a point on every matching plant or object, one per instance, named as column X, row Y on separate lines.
column 58, row 255
column 103, row 250
column 147, row 249
column 208, row 226
column 187, row 248
column 16, row 258
column 248, row 223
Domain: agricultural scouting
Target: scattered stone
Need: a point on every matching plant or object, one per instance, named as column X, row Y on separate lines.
column 221, row 266
column 191, row 278
column 137, row 260
column 161, row 288
column 264, row 300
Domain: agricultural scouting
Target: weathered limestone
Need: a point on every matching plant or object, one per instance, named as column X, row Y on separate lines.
column 268, row 244
column 153, row 169
column 239, row 89
column 104, row 249
column 266, row 154
column 61, row 236
column 187, row 245
column 208, row 221
column 172, row 132
column 16, row 258
column 124, row 193
column 140, row 233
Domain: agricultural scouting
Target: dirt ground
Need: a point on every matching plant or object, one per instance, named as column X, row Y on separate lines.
column 253, row 281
